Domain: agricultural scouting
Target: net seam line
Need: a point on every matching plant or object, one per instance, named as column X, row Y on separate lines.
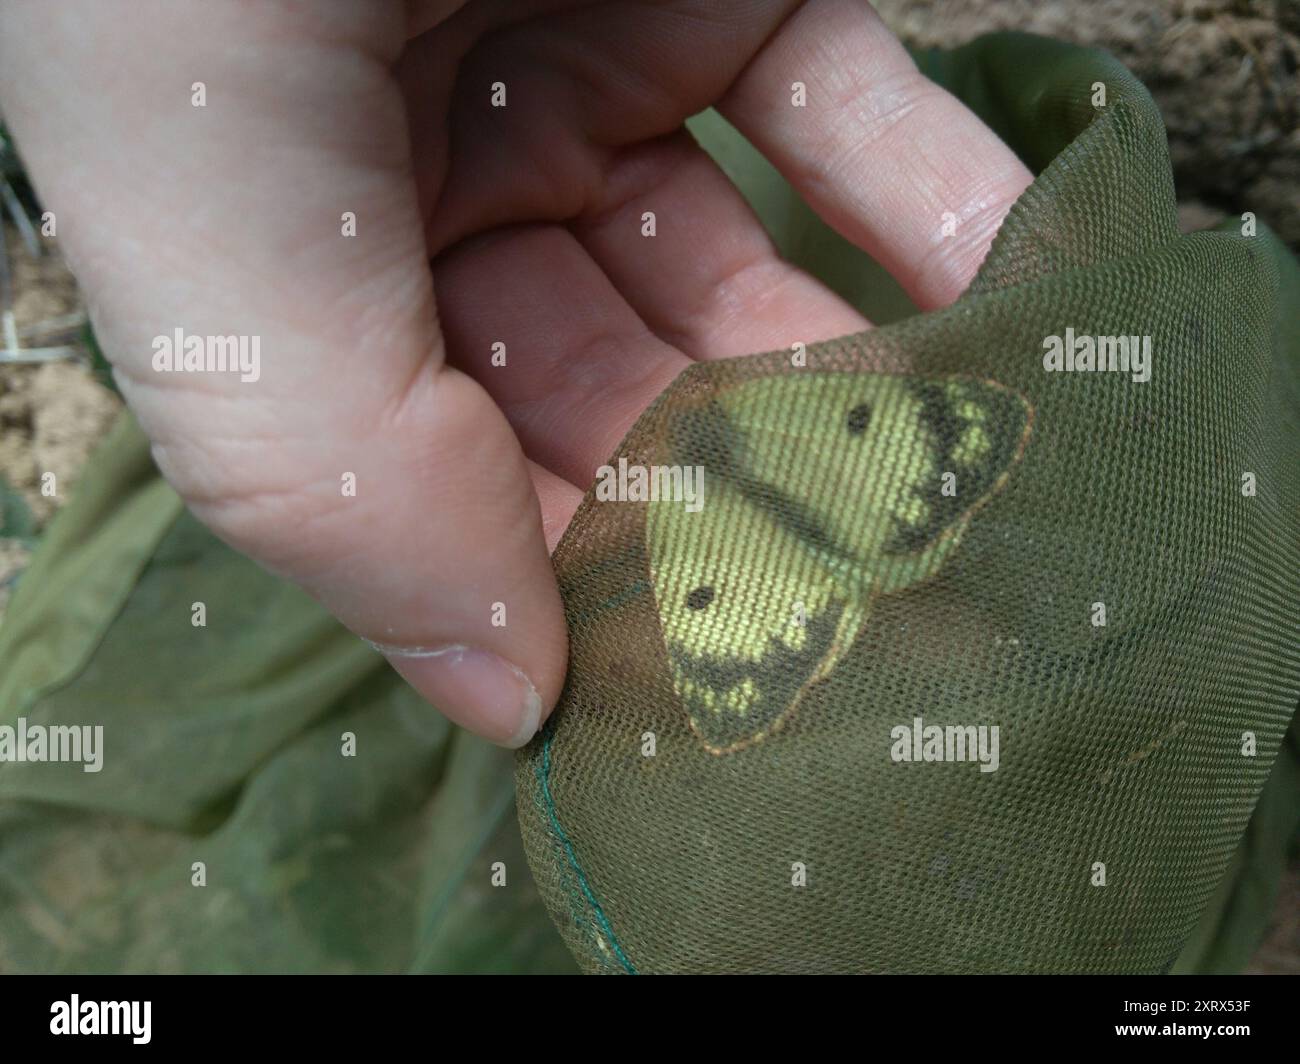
column 543, row 779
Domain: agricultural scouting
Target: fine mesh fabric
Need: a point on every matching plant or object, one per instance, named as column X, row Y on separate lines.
column 828, row 591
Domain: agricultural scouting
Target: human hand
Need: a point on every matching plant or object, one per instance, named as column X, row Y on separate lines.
column 524, row 220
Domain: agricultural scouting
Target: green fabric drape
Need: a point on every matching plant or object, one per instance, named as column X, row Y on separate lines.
column 338, row 824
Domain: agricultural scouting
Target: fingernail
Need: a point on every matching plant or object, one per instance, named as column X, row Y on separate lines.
column 475, row 688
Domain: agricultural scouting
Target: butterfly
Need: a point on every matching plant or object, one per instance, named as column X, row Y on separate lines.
column 822, row 491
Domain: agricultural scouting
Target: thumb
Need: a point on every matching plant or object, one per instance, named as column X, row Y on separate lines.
column 438, row 558
column 351, row 459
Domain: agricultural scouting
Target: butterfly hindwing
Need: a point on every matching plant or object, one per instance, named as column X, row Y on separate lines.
column 747, row 620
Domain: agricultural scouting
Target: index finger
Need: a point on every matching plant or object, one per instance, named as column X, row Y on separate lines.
column 889, row 159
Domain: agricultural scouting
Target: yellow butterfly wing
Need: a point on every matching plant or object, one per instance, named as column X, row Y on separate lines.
column 750, row 615
column 821, row 491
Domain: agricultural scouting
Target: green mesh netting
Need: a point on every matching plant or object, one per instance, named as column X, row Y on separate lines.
column 718, row 791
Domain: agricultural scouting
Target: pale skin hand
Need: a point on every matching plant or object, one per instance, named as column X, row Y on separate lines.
column 525, row 222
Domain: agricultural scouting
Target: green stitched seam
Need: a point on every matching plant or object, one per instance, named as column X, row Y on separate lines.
column 543, row 779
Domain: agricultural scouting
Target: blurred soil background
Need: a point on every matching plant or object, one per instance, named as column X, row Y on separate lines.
column 1224, row 73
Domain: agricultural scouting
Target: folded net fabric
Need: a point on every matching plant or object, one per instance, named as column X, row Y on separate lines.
column 270, row 795
column 923, row 526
